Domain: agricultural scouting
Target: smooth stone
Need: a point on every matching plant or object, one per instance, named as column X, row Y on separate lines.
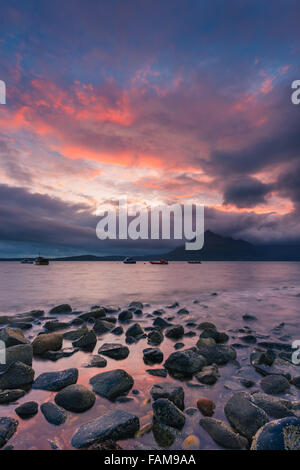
column 75, row 398
column 155, row 337
column 218, row 354
column 191, row 443
column 27, row 410
column 54, row 325
column 167, row 413
column 191, row 411
column 169, row 390
column 206, row 406
column 276, row 408
column 56, row 355
column 281, row 434
column 8, row 427
column 204, row 342
column 125, row 316
column 53, row 414
column 250, row 339
column 101, row 326
column 262, row 357
column 274, row 384
column 152, row 356
column 17, row 375
column 209, row 375
column 136, row 305
column 55, row 381
column 164, row 435
column 8, row 396
column 21, row 352
column 296, row 381
column 222, row 434
column 63, row 308
column 183, row 311
column 12, row 336
column 117, row 331
column 97, row 361
column 178, row 346
column 112, row 384
column 47, row 342
column 87, row 341
column 73, row 335
column 161, row 323
column 157, row 372
column 93, row 315
column 116, row 425
column 175, row 332
column 243, row 415
column 186, row 362
column 114, row 351
column 248, row 317
column 135, row 331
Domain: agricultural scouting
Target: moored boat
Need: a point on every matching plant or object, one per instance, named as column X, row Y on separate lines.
column 129, row 261
column 40, row 261
column 26, row 261
column 194, row 262
column 161, row 261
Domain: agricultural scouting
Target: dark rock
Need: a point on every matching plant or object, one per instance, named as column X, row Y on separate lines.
column 112, row 384
column 206, row 325
column 247, row 383
column 248, row 317
column 8, row 396
column 153, row 356
column 135, row 331
column 209, row 375
column 47, row 342
column 136, row 305
column 222, row 434
column 73, row 335
column 262, row 357
column 274, row 345
column 87, row 341
column 191, row 411
column 178, row 346
column 27, row 410
column 249, row 339
column 131, row 340
column 117, row 331
column 164, row 435
column 157, row 372
column 175, row 332
column 243, row 415
column 53, row 414
column 102, row 326
column 274, row 407
column 97, row 361
column 169, row 390
column 94, row 314
column 21, row 352
column 8, row 427
column 17, row 375
column 55, row 381
column 114, row 351
column 185, row 362
column 116, row 426
column 161, row 323
column 183, row 311
column 125, row 316
column 218, row 354
column 206, row 406
column 55, row 325
column 108, row 445
column 75, row 398
column 281, row 434
column 158, row 313
column 12, row 337
column 155, row 337
column 274, row 384
column 64, row 308
column 167, row 413
column 56, row 355
column 296, row 381
column 174, row 305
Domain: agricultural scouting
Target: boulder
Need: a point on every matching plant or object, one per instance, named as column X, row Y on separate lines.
column 152, row 356
column 94, row 314
column 96, row 361
column 76, row 398
column 136, row 305
column 157, row 372
column 27, row 410
column 167, row 413
column 218, row 354
column 164, row 435
column 281, row 434
column 135, row 331
column 17, row 375
column 124, row 316
column 54, row 325
column 63, row 308
column 53, row 414
column 222, row 434
column 8, row 427
column 155, row 337
column 161, row 323
column 175, row 332
column 206, row 406
column 114, row 351
column 73, row 335
column 20, row 352
column 47, row 342
column 169, row 390
column 101, row 327
column 185, row 362
column 116, row 426
column 87, row 341
column 12, row 336
column 112, row 384
column 117, row 331
column 8, row 396
column 243, row 415
column 55, row 381
column 275, row 408
column 274, row 384
column 209, row 375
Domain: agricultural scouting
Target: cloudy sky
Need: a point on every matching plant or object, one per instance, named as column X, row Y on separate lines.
column 162, row 102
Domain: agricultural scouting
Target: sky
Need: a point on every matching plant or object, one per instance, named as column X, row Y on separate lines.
column 162, row 102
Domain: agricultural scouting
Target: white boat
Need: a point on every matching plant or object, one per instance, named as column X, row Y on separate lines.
column 26, row 261
column 129, row 261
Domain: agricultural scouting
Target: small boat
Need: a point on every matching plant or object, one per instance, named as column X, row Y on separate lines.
column 26, row 261
column 161, row 261
column 40, row 261
column 129, row 261
column 195, row 262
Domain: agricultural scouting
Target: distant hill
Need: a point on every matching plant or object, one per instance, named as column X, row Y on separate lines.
column 216, row 248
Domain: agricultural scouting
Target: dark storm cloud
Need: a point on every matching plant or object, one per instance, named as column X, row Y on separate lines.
column 246, row 192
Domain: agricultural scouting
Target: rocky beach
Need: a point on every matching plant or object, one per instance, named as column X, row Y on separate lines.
column 136, row 376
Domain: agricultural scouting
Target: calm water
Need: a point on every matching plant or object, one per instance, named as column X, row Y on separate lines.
column 270, row 291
